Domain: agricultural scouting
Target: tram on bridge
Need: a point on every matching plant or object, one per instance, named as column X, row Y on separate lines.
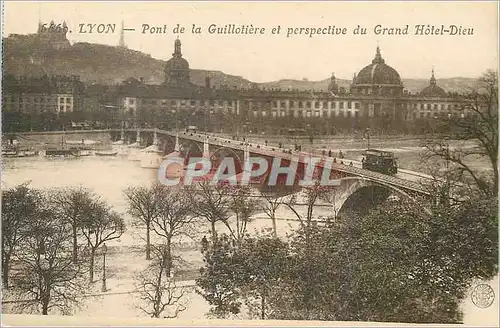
column 380, row 161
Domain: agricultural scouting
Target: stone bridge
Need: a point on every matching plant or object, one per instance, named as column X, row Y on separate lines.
column 359, row 188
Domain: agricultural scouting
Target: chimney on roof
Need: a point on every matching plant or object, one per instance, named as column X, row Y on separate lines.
column 207, row 82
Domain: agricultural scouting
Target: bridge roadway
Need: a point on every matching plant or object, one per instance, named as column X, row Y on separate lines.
column 270, row 151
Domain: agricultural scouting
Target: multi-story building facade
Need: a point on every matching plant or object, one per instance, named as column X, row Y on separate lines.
column 375, row 92
column 58, row 94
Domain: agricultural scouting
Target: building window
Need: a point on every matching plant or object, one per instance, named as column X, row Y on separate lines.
column 341, row 105
column 316, row 105
column 283, row 104
column 334, row 105
column 301, row 105
column 308, row 104
column 349, row 105
column 193, row 102
column 356, row 105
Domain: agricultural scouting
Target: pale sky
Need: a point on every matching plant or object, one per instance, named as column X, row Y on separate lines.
column 269, row 57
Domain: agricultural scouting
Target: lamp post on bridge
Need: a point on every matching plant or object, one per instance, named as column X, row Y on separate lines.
column 367, row 136
column 104, row 251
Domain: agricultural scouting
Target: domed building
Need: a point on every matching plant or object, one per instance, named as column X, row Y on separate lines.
column 177, row 69
column 378, row 78
column 433, row 90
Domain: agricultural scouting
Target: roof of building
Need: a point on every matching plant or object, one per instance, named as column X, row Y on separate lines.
column 177, row 62
column 433, row 90
column 378, row 72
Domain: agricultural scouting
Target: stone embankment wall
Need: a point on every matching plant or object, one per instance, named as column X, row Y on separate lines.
column 55, row 137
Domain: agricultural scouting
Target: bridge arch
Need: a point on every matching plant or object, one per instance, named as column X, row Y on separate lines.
column 167, row 143
column 186, row 146
column 354, row 188
column 229, row 150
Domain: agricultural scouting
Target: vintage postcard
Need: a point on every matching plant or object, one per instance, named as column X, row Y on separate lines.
column 239, row 163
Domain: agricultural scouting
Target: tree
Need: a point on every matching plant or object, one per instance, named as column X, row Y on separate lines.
column 212, row 202
column 243, row 206
column 221, row 277
column 157, row 289
column 394, row 263
column 247, row 273
column 48, row 277
column 271, row 203
column 480, row 128
column 72, row 204
column 19, row 207
column 266, row 260
column 101, row 225
column 143, row 207
column 172, row 220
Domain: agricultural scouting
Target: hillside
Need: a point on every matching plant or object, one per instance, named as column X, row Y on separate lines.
column 96, row 63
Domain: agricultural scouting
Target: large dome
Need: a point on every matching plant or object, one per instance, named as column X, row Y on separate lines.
column 378, row 72
column 433, row 90
column 176, row 63
column 177, row 68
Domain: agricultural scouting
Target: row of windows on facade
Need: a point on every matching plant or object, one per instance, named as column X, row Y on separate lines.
column 442, row 106
column 350, row 114
column 294, row 104
column 39, row 109
column 18, row 99
column 230, row 103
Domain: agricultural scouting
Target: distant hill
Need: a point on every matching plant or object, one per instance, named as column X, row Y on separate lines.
column 103, row 64
column 455, row 84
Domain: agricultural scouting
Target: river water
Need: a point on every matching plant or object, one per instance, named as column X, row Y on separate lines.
column 108, row 177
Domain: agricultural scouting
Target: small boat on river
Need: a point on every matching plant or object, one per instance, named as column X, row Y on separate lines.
column 106, row 153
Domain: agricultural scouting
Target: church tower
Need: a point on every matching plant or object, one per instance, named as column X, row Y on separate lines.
column 121, row 43
column 333, row 87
